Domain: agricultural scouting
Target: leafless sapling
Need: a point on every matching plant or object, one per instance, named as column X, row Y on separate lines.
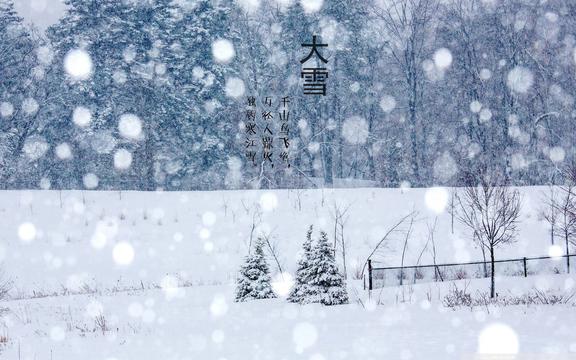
column 566, row 208
column 492, row 212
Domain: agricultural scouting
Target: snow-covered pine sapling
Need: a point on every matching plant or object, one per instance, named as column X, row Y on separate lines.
column 254, row 278
column 326, row 284
column 301, row 288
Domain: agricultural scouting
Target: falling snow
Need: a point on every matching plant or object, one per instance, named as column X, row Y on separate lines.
column 355, row 130
column 311, row 6
column 223, row 51
column 115, row 117
column 78, row 64
column 82, row 116
column 443, row 58
column 123, row 253
column 30, row 106
column 437, row 199
column 6, row 109
column 63, row 151
column 387, row 103
column 27, row 232
column 90, row 181
column 35, row 147
column 122, row 159
column 235, row 87
column 130, row 126
column 520, row 79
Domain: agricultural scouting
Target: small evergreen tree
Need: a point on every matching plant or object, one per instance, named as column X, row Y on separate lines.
column 326, row 284
column 301, row 288
column 254, row 278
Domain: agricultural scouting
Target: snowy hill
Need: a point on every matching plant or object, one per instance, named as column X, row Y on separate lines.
column 135, row 275
column 107, row 239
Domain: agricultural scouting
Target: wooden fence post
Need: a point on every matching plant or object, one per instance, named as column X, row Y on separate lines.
column 369, row 274
column 525, row 270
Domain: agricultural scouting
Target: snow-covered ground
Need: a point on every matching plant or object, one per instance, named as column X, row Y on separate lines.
column 203, row 323
column 121, row 246
column 106, row 238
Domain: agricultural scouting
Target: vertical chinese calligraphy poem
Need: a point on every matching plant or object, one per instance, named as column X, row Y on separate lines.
column 267, row 133
column 284, row 134
column 250, row 130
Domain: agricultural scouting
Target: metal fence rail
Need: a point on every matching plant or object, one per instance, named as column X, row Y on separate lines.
column 379, row 277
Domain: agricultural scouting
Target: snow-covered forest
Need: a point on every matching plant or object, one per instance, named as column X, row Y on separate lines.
column 149, row 94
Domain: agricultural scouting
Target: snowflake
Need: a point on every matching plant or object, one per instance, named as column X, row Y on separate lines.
column 311, row 6
column 387, row 103
column 130, row 126
column 442, row 58
column 6, row 109
column 520, row 79
column 90, row 181
column 123, row 253
column 557, row 154
column 30, row 106
column 81, row 116
column 122, row 159
column 355, row 130
column 235, row 87
column 35, row 147
column 223, row 51
column 78, row 64
column 27, row 232
column 436, row 199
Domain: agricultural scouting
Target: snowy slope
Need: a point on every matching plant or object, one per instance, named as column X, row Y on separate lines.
column 72, row 237
column 203, row 323
column 117, row 248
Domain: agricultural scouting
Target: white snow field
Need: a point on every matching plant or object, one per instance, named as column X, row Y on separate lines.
column 132, row 275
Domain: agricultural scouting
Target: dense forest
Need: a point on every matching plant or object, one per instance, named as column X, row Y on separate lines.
column 419, row 93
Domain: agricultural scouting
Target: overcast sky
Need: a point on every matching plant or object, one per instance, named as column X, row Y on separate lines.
column 42, row 13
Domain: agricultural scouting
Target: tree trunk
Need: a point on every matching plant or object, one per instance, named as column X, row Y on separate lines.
column 327, row 161
column 343, row 251
column 484, row 264
column 326, row 153
column 566, row 236
column 492, row 266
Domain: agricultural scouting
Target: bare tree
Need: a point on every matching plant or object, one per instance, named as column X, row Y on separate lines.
column 397, row 227
column 5, row 286
column 340, row 216
column 407, row 24
column 431, row 231
column 405, row 247
column 566, row 209
column 273, row 248
column 549, row 211
column 491, row 211
column 256, row 221
column 451, row 209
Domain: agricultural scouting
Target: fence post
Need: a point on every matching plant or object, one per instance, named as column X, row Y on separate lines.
column 369, row 274
column 525, row 270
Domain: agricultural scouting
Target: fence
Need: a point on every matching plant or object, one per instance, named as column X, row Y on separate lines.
column 379, row 277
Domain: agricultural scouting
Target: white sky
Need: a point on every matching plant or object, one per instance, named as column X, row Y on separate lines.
column 41, row 13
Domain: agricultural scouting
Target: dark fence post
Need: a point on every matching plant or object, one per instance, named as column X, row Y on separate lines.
column 525, row 270
column 369, row 274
